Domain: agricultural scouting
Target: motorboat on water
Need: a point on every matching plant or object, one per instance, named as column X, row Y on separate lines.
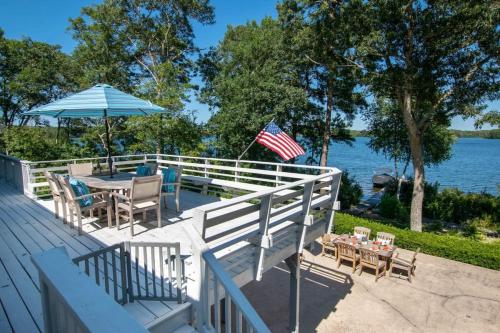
column 382, row 177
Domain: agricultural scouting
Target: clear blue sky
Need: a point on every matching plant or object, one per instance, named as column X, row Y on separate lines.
column 47, row 21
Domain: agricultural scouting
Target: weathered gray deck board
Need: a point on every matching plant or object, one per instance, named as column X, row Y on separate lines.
column 26, row 228
column 4, row 321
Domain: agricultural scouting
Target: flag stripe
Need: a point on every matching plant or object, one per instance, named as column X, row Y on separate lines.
column 278, row 141
column 275, row 146
column 269, row 140
column 295, row 147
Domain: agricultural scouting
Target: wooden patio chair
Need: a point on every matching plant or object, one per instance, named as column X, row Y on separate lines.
column 404, row 265
column 170, row 187
column 153, row 167
column 362, row 231
column 327, row 245
column 371, row 260
column 80, row 169
column 385, row 238
column 348, row 252
column 100, row 201
column 144, row 195
column 57, row 195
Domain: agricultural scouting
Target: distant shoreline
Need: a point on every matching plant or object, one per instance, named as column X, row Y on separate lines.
column 486, row 134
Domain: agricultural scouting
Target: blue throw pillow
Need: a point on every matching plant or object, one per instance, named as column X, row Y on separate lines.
column 81, row 189
column 168, row 177
column 143, row 170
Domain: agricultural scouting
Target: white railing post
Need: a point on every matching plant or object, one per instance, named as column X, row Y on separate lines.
column 279, row 168
column 265, row 240
column 335, row 205
column 205, row 170
column 27, row 179
column 237, row 173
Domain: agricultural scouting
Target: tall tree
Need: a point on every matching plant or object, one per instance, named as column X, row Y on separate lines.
column 31, row 74
column 323, row 30
column 389, row 137
column 250, row 78
column 436, row 59
column 148, row 40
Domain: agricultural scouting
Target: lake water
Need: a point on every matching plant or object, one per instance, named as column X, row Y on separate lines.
column 473, row 167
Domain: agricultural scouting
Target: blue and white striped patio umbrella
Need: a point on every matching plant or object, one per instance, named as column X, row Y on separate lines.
column 100, row 101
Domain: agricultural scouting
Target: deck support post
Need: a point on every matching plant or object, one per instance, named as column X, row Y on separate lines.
column 293, row 264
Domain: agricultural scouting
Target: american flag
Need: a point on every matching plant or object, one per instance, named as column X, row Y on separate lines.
column 278, row 141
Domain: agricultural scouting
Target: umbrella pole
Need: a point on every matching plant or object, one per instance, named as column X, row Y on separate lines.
column 110, row 161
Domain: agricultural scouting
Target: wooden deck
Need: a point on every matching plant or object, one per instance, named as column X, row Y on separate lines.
column 27, row 227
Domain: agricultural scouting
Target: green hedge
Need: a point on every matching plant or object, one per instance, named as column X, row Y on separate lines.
column 451, row 247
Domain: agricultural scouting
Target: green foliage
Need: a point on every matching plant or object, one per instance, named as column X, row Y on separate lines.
column 492, row 118
column 431, row 191
column 487, row 134
column 456, row 206
column 250, row 78
column 36, row 144
column 31, row 74
column 389, row 136
column 350, row 192
column 390, row 207
column 145, row 47
column 180, row 133
column 452, row 247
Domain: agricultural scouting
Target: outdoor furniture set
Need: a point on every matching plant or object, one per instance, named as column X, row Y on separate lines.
column 362, row 252
column 83, row 193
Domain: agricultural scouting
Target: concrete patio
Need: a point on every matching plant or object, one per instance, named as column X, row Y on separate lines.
column 445, row 296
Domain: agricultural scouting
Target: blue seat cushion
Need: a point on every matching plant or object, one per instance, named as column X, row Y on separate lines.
column 168, row 177
column 80, row 189
column 143, row 170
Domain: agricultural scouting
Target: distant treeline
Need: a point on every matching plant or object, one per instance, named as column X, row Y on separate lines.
column 487, row 134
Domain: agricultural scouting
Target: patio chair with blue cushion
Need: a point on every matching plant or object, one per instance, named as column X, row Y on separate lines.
column 144, row 195
column 153, row 168
column 80, row 169
column 143, row 171
column 80, row 200
column 171, row 184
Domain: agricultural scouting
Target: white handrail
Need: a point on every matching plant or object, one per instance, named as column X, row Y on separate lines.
column 232, row 294
column 80, row 309
column 257, row 195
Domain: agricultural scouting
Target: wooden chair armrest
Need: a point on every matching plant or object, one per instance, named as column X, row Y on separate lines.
column 402, row 261
column 94, row 194
column 120, row 196
column 163, row 184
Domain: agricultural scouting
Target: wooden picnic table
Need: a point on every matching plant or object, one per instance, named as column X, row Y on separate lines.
column 120, row 181
column 385, row 254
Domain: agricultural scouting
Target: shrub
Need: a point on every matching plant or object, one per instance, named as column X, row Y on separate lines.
column 452, row 205
column 390, row 207
column 456, row 206
column 350, row 191
column 451, row 247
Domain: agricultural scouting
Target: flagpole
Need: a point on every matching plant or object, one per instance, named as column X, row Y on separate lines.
column 239, row 158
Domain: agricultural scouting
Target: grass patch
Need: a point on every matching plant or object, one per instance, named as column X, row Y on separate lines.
column 451, row 247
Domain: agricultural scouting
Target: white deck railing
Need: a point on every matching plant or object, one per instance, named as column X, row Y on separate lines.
column 203, row 174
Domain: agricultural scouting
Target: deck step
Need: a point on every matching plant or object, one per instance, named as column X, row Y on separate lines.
column 185, row 329
column 179, row 317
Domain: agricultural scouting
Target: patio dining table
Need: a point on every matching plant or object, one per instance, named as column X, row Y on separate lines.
column 385, row 252
column 120, row 181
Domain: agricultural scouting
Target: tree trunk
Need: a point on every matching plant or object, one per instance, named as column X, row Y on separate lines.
column 415, row 138
column 327, row 129
column 160, row 142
